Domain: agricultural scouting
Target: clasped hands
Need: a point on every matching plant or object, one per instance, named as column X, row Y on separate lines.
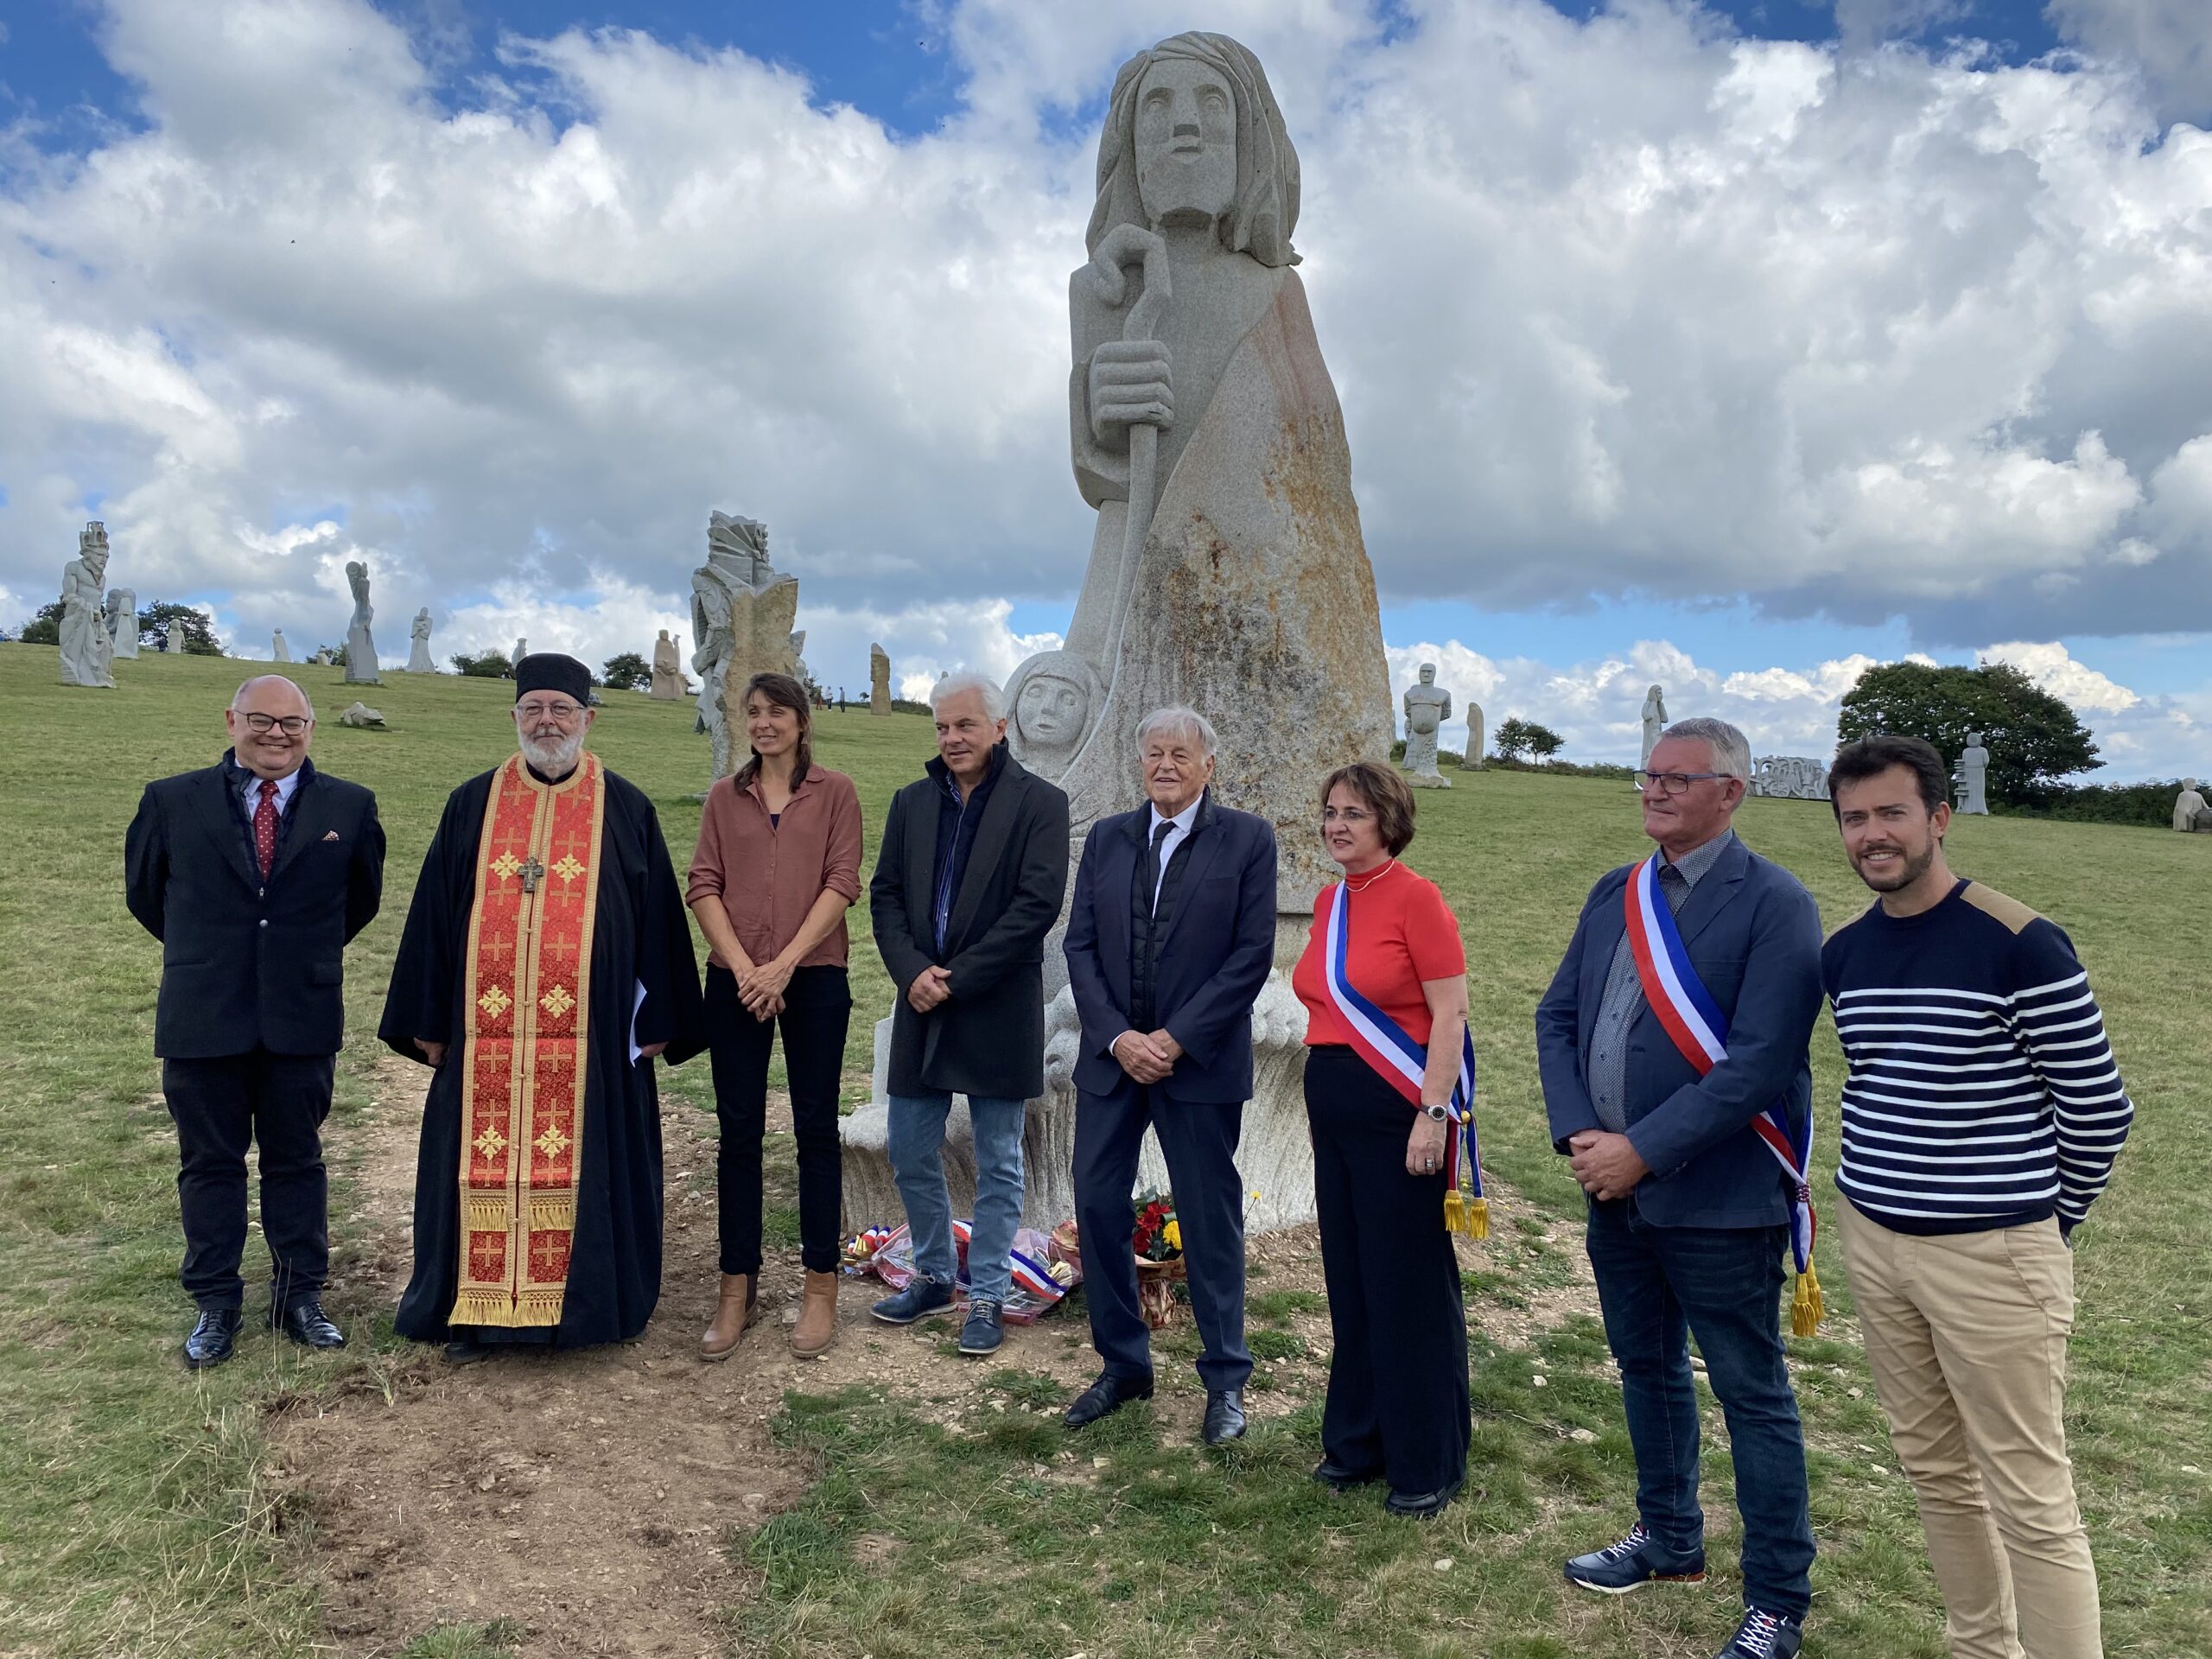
column 931, row 987
column 1607, row 1165
column 760, row 988
column 1148, row 1057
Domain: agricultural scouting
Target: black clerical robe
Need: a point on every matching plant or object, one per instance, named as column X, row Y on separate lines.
column 546, row 943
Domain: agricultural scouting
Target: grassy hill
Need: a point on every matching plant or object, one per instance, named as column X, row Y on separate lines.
column 131, row 1520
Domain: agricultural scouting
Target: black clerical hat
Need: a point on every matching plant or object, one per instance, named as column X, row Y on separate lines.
column 549, row 670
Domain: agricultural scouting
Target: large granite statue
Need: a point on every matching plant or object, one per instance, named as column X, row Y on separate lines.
column 1226, row 571
column 521, row 649
column 1790, row 777
column 121, row 610
column 668, row 684
column 419, row 660
column 87, row 648
column 878, row 681
column 1655, row 723
column 360, row 646
column 278, row 651
column 1974, row 778
column 2190, row 813
column 1428, row 705
column 741, row 613
column 1474, row 761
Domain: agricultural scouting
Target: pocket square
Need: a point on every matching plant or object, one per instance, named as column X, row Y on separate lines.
column 330, row 835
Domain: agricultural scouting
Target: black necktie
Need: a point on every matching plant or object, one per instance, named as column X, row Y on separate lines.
column 1153, row 866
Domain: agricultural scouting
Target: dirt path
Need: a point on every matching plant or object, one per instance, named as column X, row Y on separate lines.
column 590, row 1498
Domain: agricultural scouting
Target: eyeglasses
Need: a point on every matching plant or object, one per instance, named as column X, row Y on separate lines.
column 1674, row 783
column 290, row 725
column 561, row 712
column 1351, row 815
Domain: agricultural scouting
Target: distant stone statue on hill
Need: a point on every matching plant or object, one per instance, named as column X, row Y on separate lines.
column 87, row 648
column 278, row 651
column 878, row 681
column 669, row 685
column 122, row 609
column 2191, row 815
column 419, row 660
column 1474, row 761
column 1974, row 778
column 361, row 645
column 1428, row 705
column 1654, row 721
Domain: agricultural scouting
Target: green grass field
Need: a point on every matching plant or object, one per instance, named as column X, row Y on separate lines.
column 133, row 1516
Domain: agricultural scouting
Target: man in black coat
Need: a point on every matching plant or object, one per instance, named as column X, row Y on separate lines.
column 254, row 874
column 967, row 882
column 1169, row 942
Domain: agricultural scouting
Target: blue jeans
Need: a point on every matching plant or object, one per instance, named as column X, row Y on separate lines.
column 1659, row 1285
column 917, row 1139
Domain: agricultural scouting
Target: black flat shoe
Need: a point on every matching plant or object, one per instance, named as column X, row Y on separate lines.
column 1108, row 1395
column 306, row 1324
column 1224, row 1416
column 463, row 1351
column 1422, row 1506
column 212, row 1338
column 1341, row 1477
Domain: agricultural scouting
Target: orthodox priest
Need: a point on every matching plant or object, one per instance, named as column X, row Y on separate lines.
column 547, row 961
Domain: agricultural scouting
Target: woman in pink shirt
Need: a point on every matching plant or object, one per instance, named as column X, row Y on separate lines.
column 779, row 861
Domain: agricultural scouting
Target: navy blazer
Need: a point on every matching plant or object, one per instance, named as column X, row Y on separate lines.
column 1753, row 935
column 1214, row 957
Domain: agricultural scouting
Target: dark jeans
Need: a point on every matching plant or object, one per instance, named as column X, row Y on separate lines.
column 1397, row 1402
column 1723, row 1285
column 818, row 1005
column 222, row 1106
column 1199, row 1143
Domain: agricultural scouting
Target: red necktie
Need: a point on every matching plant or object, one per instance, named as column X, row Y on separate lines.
column 264, row 827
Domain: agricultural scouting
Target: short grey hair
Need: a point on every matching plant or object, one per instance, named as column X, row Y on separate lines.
column 1731, row 750
column 953, row 684
column 239, row 695
column 1179, row 721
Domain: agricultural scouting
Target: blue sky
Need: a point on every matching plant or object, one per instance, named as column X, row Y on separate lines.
column 1545, row 510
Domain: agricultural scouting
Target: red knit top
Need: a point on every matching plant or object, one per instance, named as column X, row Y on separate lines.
column 1402, row 933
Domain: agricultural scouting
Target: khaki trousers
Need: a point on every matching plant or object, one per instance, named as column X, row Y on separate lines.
column 1966, row 1334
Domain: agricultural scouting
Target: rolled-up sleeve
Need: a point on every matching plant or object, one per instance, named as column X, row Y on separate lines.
column 841, row 857
column 706, row 876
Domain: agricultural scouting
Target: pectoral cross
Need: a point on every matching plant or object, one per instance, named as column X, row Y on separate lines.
column 532, row 872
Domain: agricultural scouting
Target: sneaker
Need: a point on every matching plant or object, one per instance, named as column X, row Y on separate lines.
column 985, row 1328
column 921, row 1298
column 1635, row 1562
column 1764, row 1636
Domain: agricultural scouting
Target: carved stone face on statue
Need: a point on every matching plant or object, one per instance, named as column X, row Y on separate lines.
column 1052, row 697
column 1186, row 142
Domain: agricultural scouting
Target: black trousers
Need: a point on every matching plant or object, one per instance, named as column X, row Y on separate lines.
column 222, row 1106
column 1199, row 1143
column 817, row 1007
column 1397, row 1402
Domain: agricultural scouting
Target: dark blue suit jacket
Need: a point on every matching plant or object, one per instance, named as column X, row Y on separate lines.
column 1219, row 945
column 1753, row 934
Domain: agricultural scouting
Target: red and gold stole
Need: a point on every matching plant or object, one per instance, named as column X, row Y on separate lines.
column 523, row 1059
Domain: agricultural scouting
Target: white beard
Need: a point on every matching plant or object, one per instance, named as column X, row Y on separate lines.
column 555, row 757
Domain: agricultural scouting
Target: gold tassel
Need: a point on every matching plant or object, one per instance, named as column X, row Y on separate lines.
column 1455, row 1212
column 1806, row 1308
column 1478, row 1219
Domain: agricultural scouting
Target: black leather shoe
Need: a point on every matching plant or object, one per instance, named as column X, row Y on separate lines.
column 1224, row 1416
column 1108, row 1395
column 466, row 1350
column 1341, row 1477
column 306, row 1324
column 1420, row 1506
column 211, row 1338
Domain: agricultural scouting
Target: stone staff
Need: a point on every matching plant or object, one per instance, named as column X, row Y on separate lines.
column 1126, row 244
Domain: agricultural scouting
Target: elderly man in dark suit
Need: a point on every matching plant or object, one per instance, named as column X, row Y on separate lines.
column 1689, row 1210
column 1169, row 940
column 254, row 874
column 967, row 882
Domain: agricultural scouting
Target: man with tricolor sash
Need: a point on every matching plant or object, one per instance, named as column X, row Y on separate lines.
column 547, row 962
column 1672, row 1050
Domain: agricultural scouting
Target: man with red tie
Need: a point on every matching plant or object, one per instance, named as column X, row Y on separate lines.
column 254, row 874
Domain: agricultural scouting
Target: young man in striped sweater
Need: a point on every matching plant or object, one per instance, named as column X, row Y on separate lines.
column 1982, row 1114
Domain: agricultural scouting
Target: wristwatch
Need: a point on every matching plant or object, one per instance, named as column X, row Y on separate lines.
column 1439, row 1113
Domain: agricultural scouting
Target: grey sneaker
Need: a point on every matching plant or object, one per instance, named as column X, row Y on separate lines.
column 985, row 1330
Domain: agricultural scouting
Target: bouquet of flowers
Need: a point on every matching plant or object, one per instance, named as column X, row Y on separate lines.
column 1157, row 1235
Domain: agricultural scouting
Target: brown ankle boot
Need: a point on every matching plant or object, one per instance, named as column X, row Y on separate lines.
column 740, row 1301
column 817, row 1316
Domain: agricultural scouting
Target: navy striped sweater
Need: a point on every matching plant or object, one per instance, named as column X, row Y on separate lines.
column 1981, row 1092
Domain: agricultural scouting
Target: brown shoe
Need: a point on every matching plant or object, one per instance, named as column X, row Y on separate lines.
column 817, row 1316
column 740, row 1302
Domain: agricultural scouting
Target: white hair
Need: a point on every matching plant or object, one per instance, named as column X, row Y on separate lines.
column 1731, row 750
column 1179, row 721
column 245, row 686
column 953, row 684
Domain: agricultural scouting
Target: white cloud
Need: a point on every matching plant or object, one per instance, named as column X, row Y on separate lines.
column 2053, row 668
column 2165, row 40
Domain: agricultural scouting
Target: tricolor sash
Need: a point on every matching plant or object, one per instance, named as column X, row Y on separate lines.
column 1401, row 1061
column 522, row 1056
column 1694, row 1023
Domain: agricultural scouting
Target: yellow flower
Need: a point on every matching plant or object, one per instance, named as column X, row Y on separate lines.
column 1174, row 1235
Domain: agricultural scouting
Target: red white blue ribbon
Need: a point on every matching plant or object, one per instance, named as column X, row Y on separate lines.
column 1695, row 1022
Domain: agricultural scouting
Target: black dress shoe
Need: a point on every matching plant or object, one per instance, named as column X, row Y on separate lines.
column 1109, row 1394
column 1341, row 1477
column 211, row 1338
column 306, row 1324
column 466, row 1350
column 1422, row 1505
column 1224, row 1416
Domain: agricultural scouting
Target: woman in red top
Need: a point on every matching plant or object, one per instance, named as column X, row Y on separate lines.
column 1397, row 1407
column 777, row 863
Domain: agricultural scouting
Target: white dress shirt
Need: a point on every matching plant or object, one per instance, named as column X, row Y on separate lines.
column 251, row 793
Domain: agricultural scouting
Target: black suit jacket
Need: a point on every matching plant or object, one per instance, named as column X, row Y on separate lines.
column 246, row 963
column 1214, row 958
column 988, row 1039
